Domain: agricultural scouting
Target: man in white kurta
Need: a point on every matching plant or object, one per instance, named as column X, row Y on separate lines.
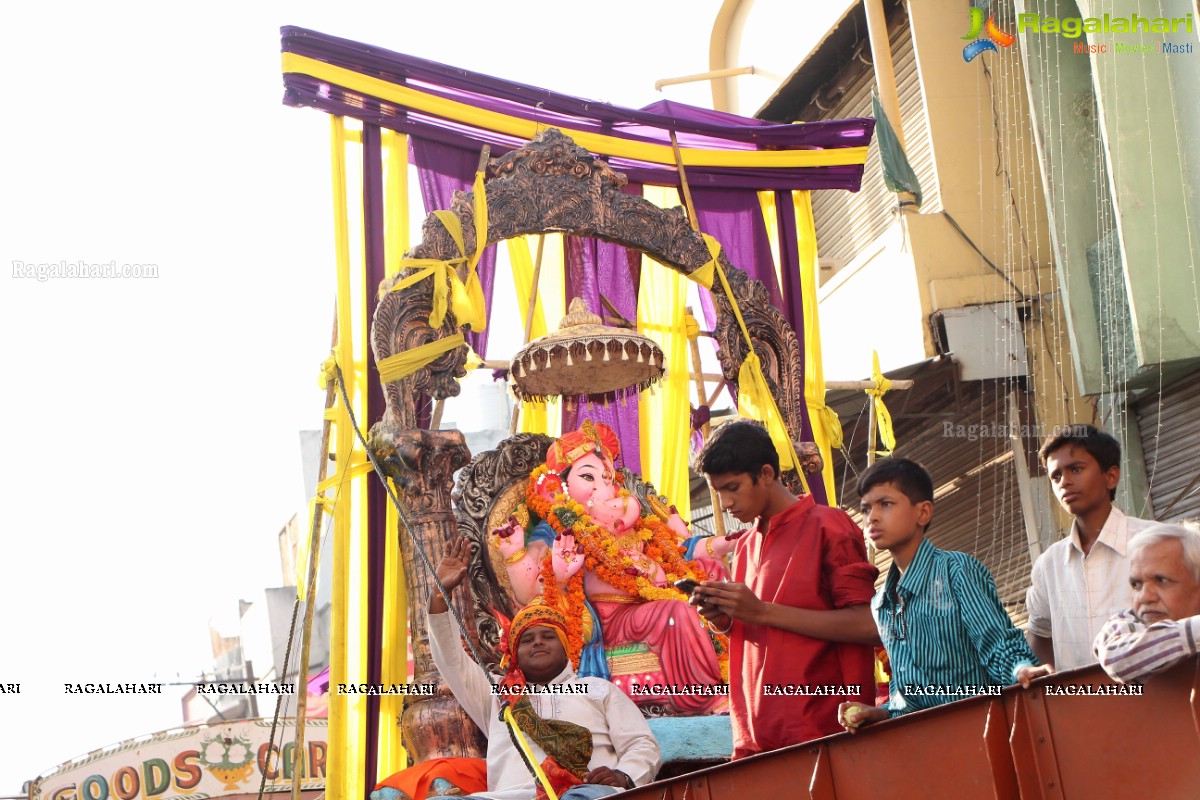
column 624, row 751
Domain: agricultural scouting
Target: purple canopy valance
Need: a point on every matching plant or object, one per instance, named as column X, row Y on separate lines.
column 694, row 127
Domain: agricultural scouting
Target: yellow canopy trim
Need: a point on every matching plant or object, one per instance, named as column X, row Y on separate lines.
column 594, row 142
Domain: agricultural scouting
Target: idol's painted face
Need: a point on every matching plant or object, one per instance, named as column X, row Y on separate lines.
column 590, row 480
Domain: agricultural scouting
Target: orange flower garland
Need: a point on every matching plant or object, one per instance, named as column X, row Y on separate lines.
column 572, row 606
column 604, row 556
column 603, row 551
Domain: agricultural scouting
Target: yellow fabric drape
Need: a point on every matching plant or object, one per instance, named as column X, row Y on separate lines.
column 883, row 417
column 533, row 415
column 395, row 200
column 597, row 143
column 826, row 427
column 391, row 755
column 766, row 204
column 664, row 415
column 347, row 713
column 405, row 363
column 539, row 417
column 755, row 400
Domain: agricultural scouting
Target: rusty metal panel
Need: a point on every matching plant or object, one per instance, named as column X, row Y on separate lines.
column 943, row 752
column 1123, row 746
column 1028, row 744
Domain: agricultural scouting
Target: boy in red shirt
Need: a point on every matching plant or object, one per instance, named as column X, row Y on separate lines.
column 797, row 611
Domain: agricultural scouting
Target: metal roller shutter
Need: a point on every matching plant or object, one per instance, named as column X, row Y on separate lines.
column 1170, row 426
column 847, row 222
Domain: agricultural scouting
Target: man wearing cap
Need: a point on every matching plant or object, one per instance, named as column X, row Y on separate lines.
column 585, row 733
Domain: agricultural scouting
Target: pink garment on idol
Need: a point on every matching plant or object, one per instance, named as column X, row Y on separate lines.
column 677, row 634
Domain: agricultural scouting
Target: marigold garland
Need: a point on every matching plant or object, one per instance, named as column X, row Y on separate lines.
column 604, row 556
column 572, row 606
column 603, row 552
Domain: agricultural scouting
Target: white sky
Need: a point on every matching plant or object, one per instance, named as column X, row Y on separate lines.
column 151, row 426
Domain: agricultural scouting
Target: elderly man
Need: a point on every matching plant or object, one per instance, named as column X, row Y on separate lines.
column 1163, row 627
column 587, row 735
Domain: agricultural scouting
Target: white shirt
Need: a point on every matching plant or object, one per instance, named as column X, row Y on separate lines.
column 621, row 739
column 1072, row 595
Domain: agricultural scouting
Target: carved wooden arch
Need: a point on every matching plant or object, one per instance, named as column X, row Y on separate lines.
column 551, row 185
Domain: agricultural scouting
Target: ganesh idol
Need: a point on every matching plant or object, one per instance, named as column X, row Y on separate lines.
column 581, row 542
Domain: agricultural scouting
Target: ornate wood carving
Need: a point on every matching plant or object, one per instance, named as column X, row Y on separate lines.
column 552, row 185
column 495, row 477
column 422, row 465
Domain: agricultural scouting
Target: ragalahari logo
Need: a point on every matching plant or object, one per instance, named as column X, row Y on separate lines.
column 995, row 36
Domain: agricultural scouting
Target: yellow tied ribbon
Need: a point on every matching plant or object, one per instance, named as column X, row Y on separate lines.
column 449, row 290
column 405, row 363
column 833, row 427
column 328, row 372
column 754, row 395
column 883, row 417
column 704, row 276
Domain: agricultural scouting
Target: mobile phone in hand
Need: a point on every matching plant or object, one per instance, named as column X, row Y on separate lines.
column 686, row 585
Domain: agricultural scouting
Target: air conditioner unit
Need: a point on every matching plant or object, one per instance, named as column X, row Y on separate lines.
column 987, row 340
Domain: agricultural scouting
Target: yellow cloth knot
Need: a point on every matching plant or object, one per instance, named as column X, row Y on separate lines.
column 705, row 274
column 882, row 385
column 450, row 291
column 833, row 427
column 328, row 372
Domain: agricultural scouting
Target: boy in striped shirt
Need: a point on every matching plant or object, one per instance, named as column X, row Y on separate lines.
column 938, row 614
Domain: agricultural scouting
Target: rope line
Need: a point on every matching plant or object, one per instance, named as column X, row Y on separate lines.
column 505, row 702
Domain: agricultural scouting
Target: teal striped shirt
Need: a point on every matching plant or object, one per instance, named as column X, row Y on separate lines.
column 946, row 633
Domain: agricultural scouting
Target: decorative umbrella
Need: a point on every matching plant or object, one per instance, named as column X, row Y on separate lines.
column 586, row 360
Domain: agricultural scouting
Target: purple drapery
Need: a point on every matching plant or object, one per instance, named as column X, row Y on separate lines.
column 734, row 218
column 373, row 229
column 595, row 268
column 693, row 126
column 441, row 169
